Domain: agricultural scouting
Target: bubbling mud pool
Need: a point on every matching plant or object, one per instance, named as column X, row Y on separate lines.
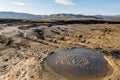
column 79, row 64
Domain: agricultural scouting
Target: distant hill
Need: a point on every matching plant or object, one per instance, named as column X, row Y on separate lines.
column 105, row 16
column 32, row 16
column 70, row 16
column 18, row 15
column 15, row 15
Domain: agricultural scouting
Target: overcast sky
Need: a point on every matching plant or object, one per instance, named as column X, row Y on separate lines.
column 87, row 7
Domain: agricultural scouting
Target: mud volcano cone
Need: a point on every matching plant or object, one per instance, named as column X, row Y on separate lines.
column 80, row 62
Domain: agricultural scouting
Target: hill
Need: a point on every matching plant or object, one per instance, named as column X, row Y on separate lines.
column 15, row 15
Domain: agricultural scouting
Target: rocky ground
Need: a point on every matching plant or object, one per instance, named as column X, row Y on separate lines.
column 24, row 48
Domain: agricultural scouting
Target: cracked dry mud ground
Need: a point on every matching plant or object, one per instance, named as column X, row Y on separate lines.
column 23, row 50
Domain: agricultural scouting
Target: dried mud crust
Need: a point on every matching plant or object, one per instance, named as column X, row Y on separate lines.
column 79, row 63
column 23, row 56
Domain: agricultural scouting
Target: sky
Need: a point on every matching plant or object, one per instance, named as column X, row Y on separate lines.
column 47, row 7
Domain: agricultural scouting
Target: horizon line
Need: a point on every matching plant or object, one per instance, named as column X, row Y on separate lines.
column 62, row 13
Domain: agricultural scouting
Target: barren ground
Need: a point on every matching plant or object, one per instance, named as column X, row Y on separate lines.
column 24, row 48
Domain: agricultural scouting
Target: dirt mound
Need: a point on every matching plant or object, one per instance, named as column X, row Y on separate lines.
column 80, row 63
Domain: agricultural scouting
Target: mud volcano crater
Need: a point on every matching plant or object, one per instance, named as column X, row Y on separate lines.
column 80, row 62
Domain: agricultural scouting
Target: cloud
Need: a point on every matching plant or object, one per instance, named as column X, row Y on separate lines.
column 65, row 2
column 19, row 3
